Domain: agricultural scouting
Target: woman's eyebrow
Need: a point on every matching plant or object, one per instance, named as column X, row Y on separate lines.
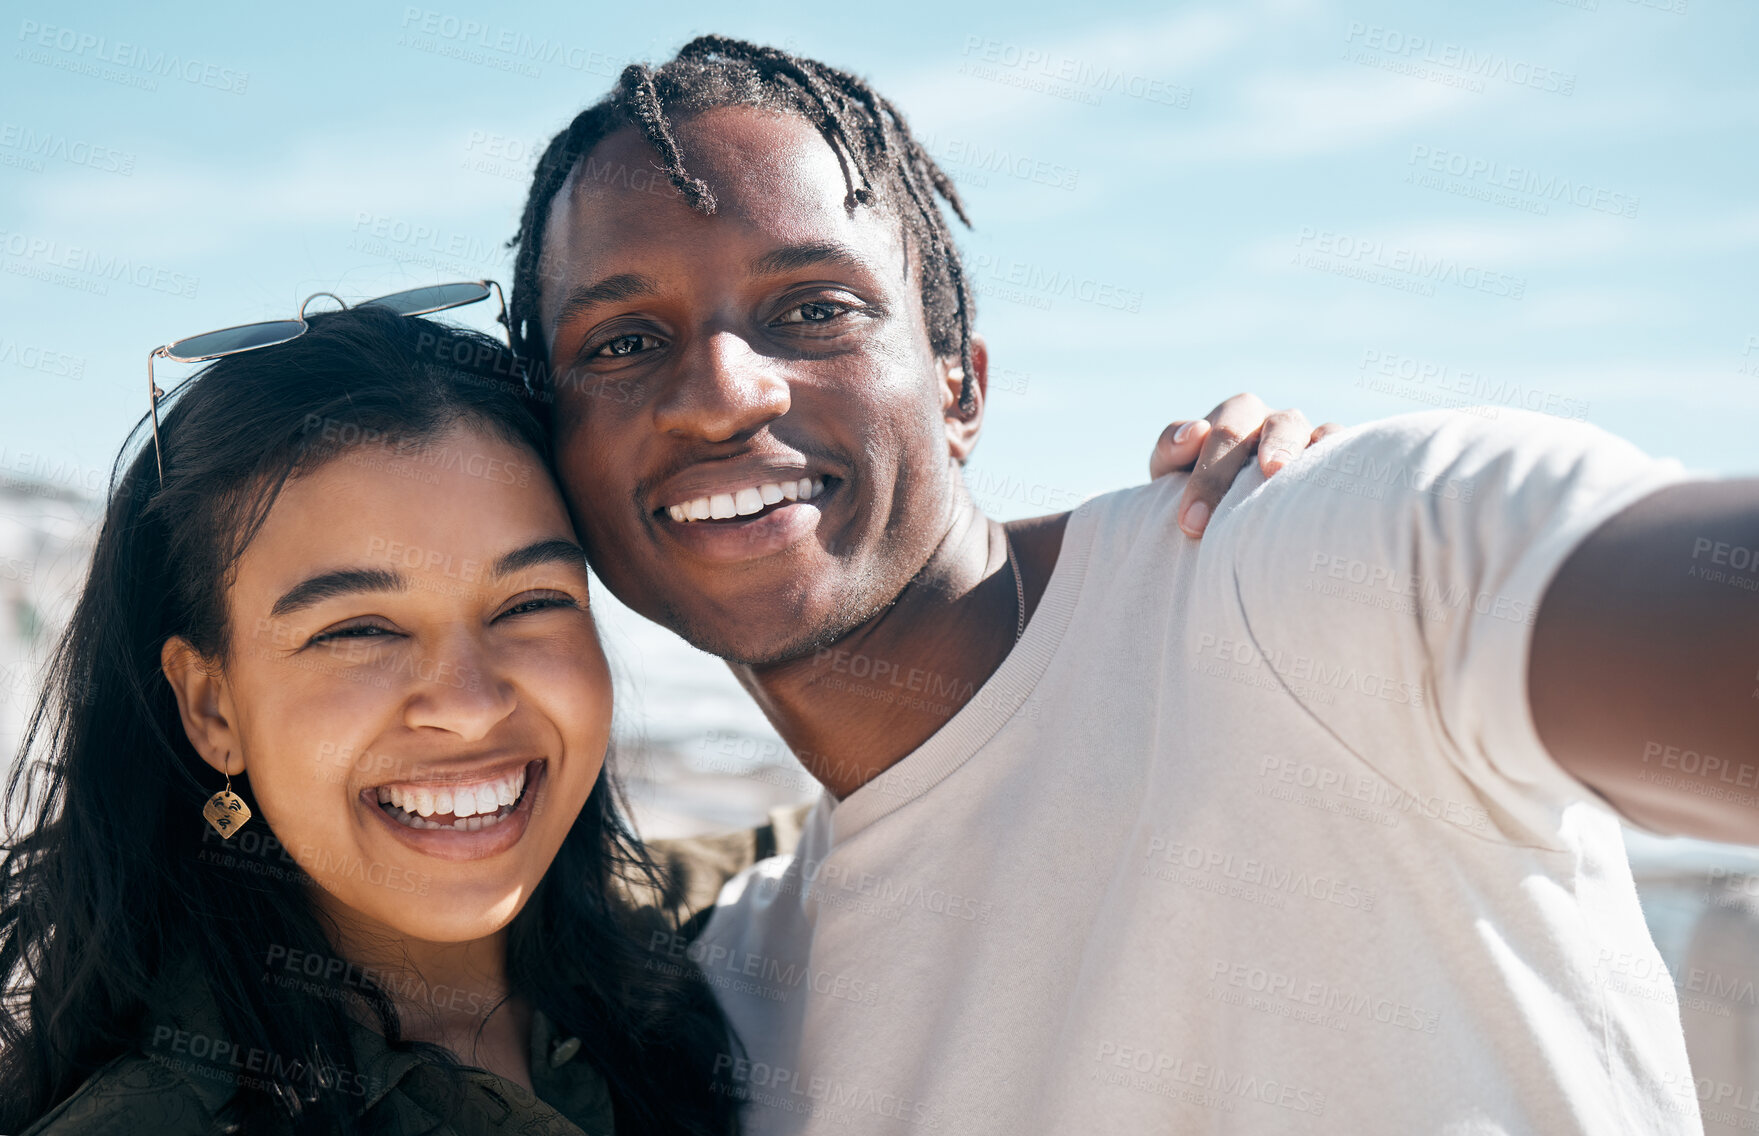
column 351, row 581
column 342, row 582
column 539, row 552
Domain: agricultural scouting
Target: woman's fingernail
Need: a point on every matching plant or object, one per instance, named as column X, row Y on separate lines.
column 1277, row 459
column 1182, row 433
column 1196, row 517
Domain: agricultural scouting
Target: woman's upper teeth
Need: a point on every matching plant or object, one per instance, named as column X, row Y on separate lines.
column 720, row 506
column 460, row 800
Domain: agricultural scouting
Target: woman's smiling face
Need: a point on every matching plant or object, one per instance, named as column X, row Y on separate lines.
column 413, row 681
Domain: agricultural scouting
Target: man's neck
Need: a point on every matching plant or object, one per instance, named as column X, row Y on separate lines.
column 852, row 710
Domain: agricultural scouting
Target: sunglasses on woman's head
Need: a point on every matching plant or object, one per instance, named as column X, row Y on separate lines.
column 270, row 333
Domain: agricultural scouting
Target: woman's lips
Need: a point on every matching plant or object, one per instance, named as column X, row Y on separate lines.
column 463, row 804
column 507, row 823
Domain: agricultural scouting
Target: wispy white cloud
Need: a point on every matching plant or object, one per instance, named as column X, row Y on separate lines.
column 946, row 95
column 1580, row 308
column 1284, row 114
column 319, row 184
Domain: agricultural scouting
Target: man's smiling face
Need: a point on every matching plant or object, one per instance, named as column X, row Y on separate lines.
column 771, row 352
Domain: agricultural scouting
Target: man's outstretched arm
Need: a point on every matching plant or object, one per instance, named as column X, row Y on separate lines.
column 1643, row 675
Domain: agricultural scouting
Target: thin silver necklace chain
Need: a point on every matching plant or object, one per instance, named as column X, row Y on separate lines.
column 1019, row 587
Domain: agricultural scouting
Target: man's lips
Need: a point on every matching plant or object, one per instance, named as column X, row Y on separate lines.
column 724, row 488
column 745, row 501
column 768, row 530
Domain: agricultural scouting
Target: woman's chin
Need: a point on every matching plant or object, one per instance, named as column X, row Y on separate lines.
column 431, row 879
column 491, row 918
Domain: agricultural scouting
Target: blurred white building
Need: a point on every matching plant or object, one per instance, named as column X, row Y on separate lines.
column 46, row 534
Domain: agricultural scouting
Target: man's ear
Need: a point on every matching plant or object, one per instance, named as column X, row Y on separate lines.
column 963, row 426
column 205, row 705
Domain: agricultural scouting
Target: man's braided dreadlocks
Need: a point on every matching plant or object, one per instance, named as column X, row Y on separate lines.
column 882, row 165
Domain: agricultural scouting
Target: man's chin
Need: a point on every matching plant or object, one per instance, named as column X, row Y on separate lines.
column 762, row 639
column 756, row 647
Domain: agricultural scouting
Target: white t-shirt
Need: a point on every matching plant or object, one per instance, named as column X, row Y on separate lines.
column 1247, row 835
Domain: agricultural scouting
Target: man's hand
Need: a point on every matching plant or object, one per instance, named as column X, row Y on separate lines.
column 1218, row 446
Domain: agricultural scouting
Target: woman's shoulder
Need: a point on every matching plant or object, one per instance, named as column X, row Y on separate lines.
column 133, row 1095
column 695, row 868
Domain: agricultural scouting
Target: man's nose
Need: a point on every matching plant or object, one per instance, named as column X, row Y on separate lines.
column 722, row 391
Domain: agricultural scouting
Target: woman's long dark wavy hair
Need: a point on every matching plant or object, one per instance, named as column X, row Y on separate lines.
column 104, row 887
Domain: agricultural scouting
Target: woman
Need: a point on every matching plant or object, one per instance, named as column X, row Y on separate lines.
column 348, row 626
column 355, row 608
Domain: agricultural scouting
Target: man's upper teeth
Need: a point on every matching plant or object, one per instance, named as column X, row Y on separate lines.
column 459, row 800
column 720, row 506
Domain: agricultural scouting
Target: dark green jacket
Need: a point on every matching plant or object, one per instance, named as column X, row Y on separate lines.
column 180, row 1078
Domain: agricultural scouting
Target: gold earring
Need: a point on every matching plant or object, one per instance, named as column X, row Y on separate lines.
column 226, row 810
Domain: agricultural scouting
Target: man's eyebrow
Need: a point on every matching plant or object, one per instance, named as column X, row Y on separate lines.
column 342, row 582
column 539, row 552
column 610, row 290
column 809, row 254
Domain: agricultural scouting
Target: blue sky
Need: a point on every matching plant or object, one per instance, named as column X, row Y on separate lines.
column 1359, row 209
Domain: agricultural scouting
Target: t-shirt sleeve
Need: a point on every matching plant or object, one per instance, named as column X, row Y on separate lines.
column 1391, row 578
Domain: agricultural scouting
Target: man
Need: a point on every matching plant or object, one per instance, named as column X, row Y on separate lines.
column 1303, row 828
